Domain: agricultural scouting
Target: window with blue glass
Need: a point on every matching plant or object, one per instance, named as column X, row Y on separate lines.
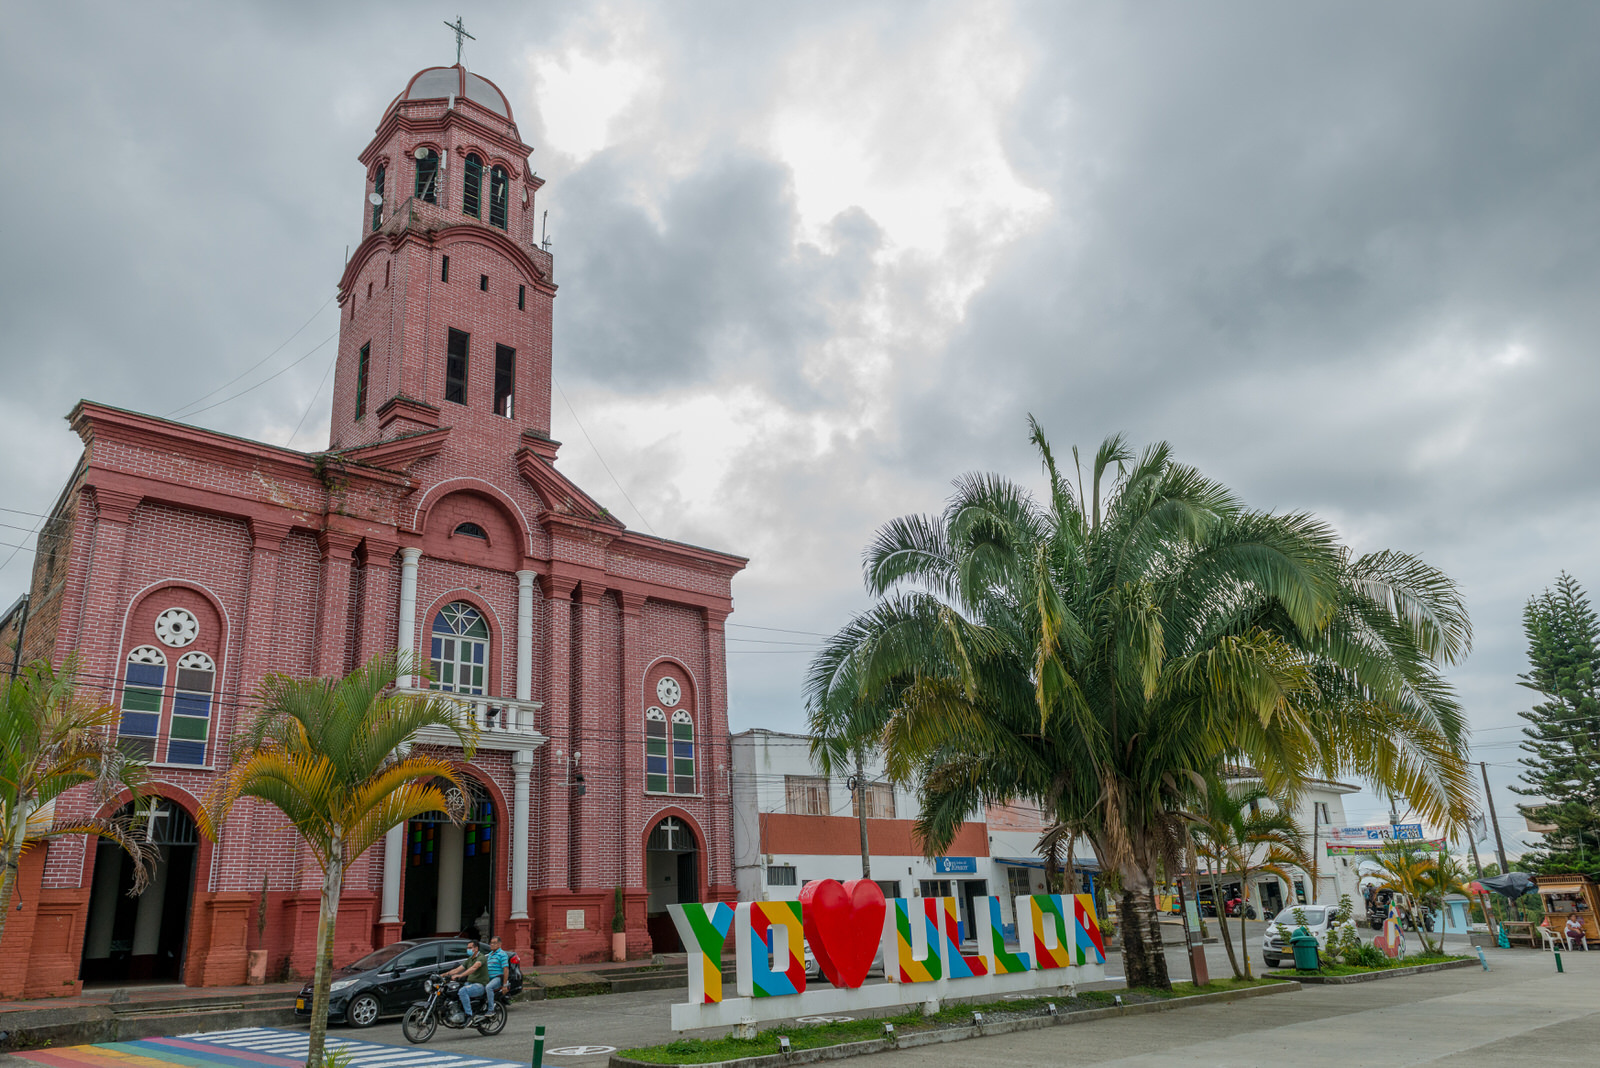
column 682, row 752
column 655, row 751
column 460, row 651
column 191, row 709
column 143, row 683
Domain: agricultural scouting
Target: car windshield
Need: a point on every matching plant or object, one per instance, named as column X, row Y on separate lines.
column 1315, row 916
column 378, row 958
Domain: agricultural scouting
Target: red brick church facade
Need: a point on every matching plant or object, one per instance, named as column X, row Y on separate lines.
column 182, row 564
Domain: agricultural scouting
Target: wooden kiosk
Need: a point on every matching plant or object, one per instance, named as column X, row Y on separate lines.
column 1563, row 895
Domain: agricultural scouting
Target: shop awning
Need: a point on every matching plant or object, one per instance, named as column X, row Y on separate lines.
column 1078, row 863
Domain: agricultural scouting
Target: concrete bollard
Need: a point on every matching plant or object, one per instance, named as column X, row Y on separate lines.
column 538, row 1046
column 1482, row 959
column 1559, row 968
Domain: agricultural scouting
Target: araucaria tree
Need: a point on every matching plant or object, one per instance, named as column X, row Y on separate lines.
column 1562, row 739
column 336, row 757
column 52, row 741
column 1097, row 650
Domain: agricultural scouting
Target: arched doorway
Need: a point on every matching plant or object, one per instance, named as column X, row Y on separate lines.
column 449, row 880
column 672, row 872
column 144, row 937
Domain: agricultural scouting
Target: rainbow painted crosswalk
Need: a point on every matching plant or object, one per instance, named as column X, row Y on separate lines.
column 248, row 1047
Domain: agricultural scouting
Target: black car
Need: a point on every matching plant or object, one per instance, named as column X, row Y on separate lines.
column 385, row 982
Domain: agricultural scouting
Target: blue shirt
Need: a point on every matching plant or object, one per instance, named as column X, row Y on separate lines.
column 499, row 961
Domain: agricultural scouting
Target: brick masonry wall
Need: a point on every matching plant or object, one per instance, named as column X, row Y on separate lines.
column 290, row 563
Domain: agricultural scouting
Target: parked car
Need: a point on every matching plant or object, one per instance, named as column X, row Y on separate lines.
column 1318, row 921
column 386, row 981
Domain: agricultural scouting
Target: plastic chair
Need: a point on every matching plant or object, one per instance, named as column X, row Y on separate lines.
column 1551, row 942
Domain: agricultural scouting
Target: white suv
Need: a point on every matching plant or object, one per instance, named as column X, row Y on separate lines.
column 1276, row 949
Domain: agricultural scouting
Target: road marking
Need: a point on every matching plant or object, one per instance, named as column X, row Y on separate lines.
column 823, row 1019
column 583, row 1051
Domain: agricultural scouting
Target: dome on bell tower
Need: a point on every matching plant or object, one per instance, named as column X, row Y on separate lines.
column 443, row 83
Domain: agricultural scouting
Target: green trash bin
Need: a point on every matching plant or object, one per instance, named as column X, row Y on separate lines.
column 1305, row 951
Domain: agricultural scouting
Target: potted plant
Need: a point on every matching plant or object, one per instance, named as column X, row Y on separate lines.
column 256, row 968
column 619, row 929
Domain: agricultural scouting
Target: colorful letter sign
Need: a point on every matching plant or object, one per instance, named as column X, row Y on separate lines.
column 1059, row 936
column 770, row 941
column 702, row 929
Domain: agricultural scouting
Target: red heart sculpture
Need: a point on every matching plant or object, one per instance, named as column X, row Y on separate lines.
column 844, row 925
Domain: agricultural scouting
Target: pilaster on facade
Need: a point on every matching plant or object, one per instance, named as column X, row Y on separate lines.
column 556, row 872
column 333, row 599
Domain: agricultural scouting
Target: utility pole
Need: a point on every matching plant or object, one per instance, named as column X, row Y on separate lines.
column 1499, row 843
column 858, row 786
column 1472, row 843
column 22, row 632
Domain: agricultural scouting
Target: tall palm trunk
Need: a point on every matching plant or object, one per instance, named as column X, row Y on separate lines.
column 1222, row 919
column 327, row 921
column 861, row 815
column 1144, row 960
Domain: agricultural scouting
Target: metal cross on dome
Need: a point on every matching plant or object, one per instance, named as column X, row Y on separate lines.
column 460, row 31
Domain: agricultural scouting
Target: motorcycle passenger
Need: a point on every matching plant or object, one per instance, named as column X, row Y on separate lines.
column 499, row 968
column 472, row 972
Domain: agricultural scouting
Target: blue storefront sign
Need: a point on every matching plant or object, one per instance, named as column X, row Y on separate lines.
column 956, row 865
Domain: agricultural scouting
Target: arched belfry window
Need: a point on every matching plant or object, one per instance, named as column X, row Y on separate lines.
column 471, row 530
column 143, row 682
column 499, row 197
column 427, row 184
column 472, row 188
column 460, row 649
column 377, row 188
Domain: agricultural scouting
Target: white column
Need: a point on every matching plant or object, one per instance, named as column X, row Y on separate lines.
column 452, row 850
column 521, row 766
column 394, row 859
column 406, row 640
column 525, row 635
column 147, row 920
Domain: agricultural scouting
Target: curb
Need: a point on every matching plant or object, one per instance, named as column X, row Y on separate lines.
column 1387, row 973
column 911, row 1040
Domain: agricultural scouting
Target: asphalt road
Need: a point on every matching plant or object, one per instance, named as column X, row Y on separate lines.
column 621, row 1021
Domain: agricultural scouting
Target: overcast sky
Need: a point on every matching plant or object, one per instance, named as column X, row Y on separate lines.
column 816, row 260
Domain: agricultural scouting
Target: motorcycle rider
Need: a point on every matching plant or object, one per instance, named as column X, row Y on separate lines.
column 499, row 967
column 473, row 972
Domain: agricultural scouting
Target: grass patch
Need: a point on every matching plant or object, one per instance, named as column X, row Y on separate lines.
column 811, row 1036
column 1356, row 969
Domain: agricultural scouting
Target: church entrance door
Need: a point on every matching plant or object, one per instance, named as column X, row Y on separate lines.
column 142, row 938
column 672, row 872
column 449, row 870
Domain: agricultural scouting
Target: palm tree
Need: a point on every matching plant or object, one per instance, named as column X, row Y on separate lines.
column 1059, row 837
column 52, row 741
column 335, row 756
column 1094, row 651
column 1237, row 834
column 1423, row 876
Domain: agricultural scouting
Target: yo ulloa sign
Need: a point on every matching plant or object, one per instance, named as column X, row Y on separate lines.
column 849, row 925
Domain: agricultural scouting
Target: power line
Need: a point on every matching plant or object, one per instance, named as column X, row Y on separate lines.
column 597, row 455
column 264, row 381
column 310, row 403
column 258, row 363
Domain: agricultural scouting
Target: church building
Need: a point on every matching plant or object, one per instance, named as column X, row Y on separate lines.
column 182, row 565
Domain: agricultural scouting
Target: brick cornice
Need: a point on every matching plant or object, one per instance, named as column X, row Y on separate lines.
column 632, row 601
column 115, row 505
column 591, row 592
column 558, row 586
column 268, row 534
column 400, row 453
column 337, row 545
column 401, row 406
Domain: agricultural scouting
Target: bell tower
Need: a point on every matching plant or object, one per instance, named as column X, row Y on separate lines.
column 445, row 306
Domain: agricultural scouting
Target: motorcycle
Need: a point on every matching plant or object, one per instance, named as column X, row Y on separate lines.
column 441, row 1004
column 1232, row 908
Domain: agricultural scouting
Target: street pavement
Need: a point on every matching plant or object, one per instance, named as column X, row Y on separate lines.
column 1520, row 1011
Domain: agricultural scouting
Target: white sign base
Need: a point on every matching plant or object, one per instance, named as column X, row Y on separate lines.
column 869, row 996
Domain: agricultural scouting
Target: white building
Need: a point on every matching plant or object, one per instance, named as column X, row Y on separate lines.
column 792, row 825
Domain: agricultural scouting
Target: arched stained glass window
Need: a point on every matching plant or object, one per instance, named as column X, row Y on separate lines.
column 191, row 709
column 499, row 197
column 427, row 184
column 142, row 685
column 655, row 751
column 472, row 188
column 460, row 649
column 682, row 752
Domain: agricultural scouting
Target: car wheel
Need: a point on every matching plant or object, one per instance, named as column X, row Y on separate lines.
column 363, row 1011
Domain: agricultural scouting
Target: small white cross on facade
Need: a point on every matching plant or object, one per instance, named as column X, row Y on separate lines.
column 460, row 30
